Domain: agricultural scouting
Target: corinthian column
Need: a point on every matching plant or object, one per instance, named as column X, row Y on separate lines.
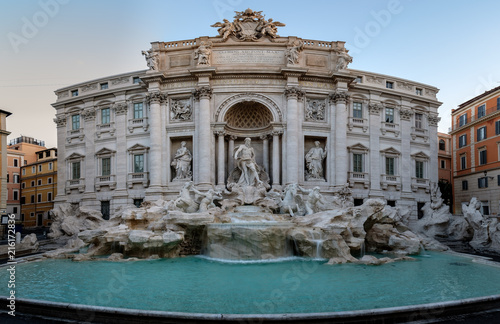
column 293, row 95
column 155, row 138
column 265, row 152
column 204, row 94
column 276, row 157
column 340, row 99
column 220, row 158
column 60, row 121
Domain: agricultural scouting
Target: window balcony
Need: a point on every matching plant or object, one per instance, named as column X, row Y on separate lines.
column 357, row 122
column 420, row 183
column 105, row 128
column 391, row 128
column 138, row 123
column 359, row 177
column 74, row 134
column 103, row 181
column 138, row 178
column 419, row 133
column 390, row 180
column 75, row 184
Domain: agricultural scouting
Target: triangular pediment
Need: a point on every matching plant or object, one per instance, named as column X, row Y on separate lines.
column 391, row 150
column 75, row 156
column 105, row 151
column 358, row 147
column 138, row 147
column 420, row 155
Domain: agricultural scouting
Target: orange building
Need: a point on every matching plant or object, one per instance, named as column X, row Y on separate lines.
column 445, row 168
column 38, row 189
column 15, row 159
column 476, row 151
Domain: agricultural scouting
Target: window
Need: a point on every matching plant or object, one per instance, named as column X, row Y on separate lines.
column 462, row 120
column 32, row 199
column 486, row 207
column 47, row 154
column 39, row 168
column 482, row 157
column 104, row 86
column 498, row 103
column 33, row 183
column 442, row 145
column 481, row 111
column 498, row 179
column 443, row 164
column 389, row 85
column 357, row 162
column 138, row 113
column 359, row 79
column 23, row 185
column 482, row 182
column 49, row 196
column 136, row 80
column 419, row 169
column 105, row 209
column 39, row 198
column 40, row 155
column 138, row 163
column 39, row 182
column 24, row 171
column 138, row 202
column 32, row 214
column 481, row 133
column 15, row 163
column 74, row 93
column 418, row 91
column 49, row 180
column 497, row 127
column 33, row 169
column 75, row 122
column 14, row 210
column 106, row 166
column 75, row 170
column 105, row 117
column 389, row 115
column 16, row 178
column 462, row 140
column 463, row 162
column 51, row 166
column 15, row 195
column 357, row 110
column 418, row 120
column 465, row 185
column 389, row 166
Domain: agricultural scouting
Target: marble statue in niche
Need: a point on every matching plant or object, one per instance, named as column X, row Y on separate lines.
column 245, row 160
column 182, row 163
column 314, row 162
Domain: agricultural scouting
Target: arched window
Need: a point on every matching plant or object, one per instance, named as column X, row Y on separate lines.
column 442, row 145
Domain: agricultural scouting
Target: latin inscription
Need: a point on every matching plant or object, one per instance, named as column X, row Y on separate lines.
column 248, row 56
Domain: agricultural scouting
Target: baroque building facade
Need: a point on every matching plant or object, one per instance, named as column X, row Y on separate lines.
column 311, row 120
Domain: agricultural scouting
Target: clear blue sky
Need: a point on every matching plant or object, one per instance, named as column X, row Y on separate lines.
column 450, row 44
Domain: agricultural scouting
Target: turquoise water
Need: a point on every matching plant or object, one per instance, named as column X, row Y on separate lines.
column 198, row 285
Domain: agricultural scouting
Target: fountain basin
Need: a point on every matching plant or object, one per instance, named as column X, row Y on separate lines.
column 301, row 288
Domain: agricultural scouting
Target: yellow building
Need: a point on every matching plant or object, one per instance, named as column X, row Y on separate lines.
column 3, row 160
column 38, row 189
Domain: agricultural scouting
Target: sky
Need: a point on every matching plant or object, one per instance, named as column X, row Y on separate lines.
column 49, row 44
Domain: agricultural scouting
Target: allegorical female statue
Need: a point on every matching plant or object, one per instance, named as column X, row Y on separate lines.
column 314, row 162
column 182, row 163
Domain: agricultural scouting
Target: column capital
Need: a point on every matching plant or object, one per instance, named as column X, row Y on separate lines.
column 156, row 97
column 339, row 96
column 433, row 120
column 294, row 92
column 264, row 137
column 202, row 93
column 120, row 108
column 233, row 137
column 375, row 108
column 277, row 132
column 60, row 120
column 219, row 132
column 88, row 114
column 405, row 114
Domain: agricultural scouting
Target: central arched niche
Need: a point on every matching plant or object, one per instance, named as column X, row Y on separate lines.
column 248, row 116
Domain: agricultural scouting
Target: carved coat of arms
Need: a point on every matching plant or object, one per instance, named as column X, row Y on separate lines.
column 248, row 25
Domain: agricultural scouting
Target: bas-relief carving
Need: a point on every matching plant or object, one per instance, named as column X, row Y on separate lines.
column 248, row 25
column 314, row 162
column 374, row 79
column 293, row 51
column 202, row 53
column 89, row 87
column 405, row 86
column 61, row 95
column 151, row 59
column 181, row 110
column 430, row 92
column 315, row 110
column 182, row 163
column 120, row 80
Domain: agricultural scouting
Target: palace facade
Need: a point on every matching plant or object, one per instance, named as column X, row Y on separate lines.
column 139, row 136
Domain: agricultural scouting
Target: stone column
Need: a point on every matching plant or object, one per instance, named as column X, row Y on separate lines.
column 406, row 165
column 340, row 98
column 433, row 121
column 276, row 158
column 204, row 94
column 220, row 158
column 90, row 172
column 374, row 154
column 60, row 121
column 265, row 152
column 331, row 156
column 293, row 94
column 121, row 144
column 230, row 150
column 155, row 138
